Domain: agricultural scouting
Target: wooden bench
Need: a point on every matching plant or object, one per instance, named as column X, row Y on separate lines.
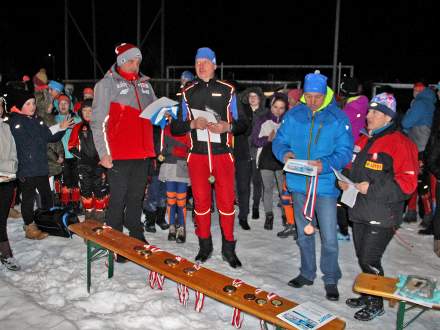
column 204, row 280
column 385, row 287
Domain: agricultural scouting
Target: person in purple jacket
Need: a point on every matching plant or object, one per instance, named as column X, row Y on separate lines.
column 354, row 105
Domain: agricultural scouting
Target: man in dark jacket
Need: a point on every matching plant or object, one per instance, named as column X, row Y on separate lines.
column 211, row 162
column 252, row 104
column 124, row 141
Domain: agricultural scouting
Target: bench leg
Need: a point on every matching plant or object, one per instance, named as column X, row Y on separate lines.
column 400, row 315
column 110, row 264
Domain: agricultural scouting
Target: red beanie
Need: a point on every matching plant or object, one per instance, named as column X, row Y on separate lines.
column 63, row 97
column 126, row 52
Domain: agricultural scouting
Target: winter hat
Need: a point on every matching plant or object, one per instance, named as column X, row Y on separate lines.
column 207, row 53
column 315, row 83
column 419, row 86
column 278, row 96
column 55, row 85
column 385, row 103
column 349, row 87
column 126, row 52
column 295, row 94
column 18, row 97
column 88, row 91
column 63, row 97
column 187, row 75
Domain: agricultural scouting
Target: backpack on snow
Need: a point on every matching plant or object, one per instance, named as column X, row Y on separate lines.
column 55, row 221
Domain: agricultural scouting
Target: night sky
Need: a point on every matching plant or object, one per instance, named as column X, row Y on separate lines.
column 385, row 40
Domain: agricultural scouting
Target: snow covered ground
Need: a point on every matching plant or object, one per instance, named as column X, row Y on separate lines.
column 50, row 291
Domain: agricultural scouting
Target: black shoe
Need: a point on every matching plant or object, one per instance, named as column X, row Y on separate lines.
column 331, row 292
column 427, row 231
column 172, row 233
column 358, row 302
column 244, row 223
column 426, row 221
column 373, row 309
column 160, row 218
column 268, row 224
column 299, row 282
column 205, row 249
column 255, row 213
column 410, row 216
column 181, row 235
column 150, row 221
column 228, row 253
column 289, row 230
column 120, row 259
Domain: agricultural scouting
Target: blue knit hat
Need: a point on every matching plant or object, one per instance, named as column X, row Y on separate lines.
column 385, row 103
column 207, row 53
column 315, row 83
column 187, row 75
column 56, row 86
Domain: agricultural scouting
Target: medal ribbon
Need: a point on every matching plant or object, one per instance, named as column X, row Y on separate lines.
column 200, row 300
column 311, row 198
column 237, row 318
column 183, row 293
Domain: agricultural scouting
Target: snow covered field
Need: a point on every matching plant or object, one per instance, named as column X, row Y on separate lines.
column 50, row 291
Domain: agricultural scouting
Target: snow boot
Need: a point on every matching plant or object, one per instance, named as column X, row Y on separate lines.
column 255, row 213
column 228, row 253
column 150, row 220
column 172, row 233
column 358, row 302
column 14, row 214
column 160, row 218
column 299, row 282
column 373, row 309
column 426, row 221
column 205, row 249
column 244, row 223
column 268, row 224
column 32, row 232
column 331, row 292
column 289, row 230
column 410, row 216
column 181, row 234
column 6, row 259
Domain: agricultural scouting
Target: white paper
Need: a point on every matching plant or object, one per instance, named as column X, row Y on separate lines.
column 413, row 301
column 350, row 194
column 202, row 134
column 6, row 177
column 300, row 166
column 155, row 106
column 306, row 316
column 55, row 128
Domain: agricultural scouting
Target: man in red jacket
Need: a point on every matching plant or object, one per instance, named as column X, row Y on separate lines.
column 124, row 141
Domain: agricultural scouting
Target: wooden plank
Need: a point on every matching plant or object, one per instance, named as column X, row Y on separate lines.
column 204, row 280
column 378, row 286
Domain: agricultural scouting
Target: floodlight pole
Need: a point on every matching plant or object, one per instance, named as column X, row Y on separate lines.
column 335, row 49
column 66, row 41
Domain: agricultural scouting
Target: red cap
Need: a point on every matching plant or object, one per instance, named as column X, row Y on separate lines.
column 63, row 97
column 88, row 91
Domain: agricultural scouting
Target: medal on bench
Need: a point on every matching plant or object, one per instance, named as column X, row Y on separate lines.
column 189, row 271
column 171, row 262
column 261, row 301
column 229, row 289
column 142, row 251
column 249, row 296
column 276, row 302
column 98, row 230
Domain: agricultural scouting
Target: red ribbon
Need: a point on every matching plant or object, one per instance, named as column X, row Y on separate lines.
column 200, row 301
column 237, row 319
column 183, row 293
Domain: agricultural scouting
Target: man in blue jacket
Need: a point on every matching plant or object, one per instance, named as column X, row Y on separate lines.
column 320, row 132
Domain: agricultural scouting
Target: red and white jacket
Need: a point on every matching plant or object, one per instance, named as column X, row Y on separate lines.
column 117, row 129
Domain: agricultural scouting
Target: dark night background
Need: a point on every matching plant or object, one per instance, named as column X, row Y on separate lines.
column 384, row 40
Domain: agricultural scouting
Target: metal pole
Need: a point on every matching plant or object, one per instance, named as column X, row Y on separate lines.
column 94, row 39
column 162, row 40
column 339, row 75
column 335, row 49
column 221, row 70
column 66, row 41
column 138, row 39
column 167, row 89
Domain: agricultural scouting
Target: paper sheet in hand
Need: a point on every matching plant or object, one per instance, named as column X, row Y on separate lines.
column 6, row 177
column 299, row 166
column 151, row 109
column 348, row 196
column 202, row 134
column 306, row 316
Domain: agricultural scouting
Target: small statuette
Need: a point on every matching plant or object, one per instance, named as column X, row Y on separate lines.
column 249, row 296
column 261, row 301
column 189, row 271
column 161, row 158
column 98, row 230
column 229, row 289
column 309, row 229
column 171, row 262
column 145, row 253
column 211, row 179
column 276, row 302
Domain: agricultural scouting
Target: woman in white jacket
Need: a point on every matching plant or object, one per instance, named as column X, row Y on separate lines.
column 8, row 169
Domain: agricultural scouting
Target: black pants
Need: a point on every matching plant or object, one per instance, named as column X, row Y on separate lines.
column 6, row 194
column 127, row 180
column 70, row 173
column 370, row 243
column 257, row 183
column 243, row 175
column 342, row 218
column 93, row 181
column 436, row 219
column 28, row 193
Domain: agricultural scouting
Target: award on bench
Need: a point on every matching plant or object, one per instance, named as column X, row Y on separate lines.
column 189, row 271
column 261, row 301
column 249, row 296
column 229, row 289
column 276, row 302
column 142, row 251
column 98, row 230
column 171, row 262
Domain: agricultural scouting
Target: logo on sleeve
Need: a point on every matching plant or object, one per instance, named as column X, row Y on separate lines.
column 374, row 166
